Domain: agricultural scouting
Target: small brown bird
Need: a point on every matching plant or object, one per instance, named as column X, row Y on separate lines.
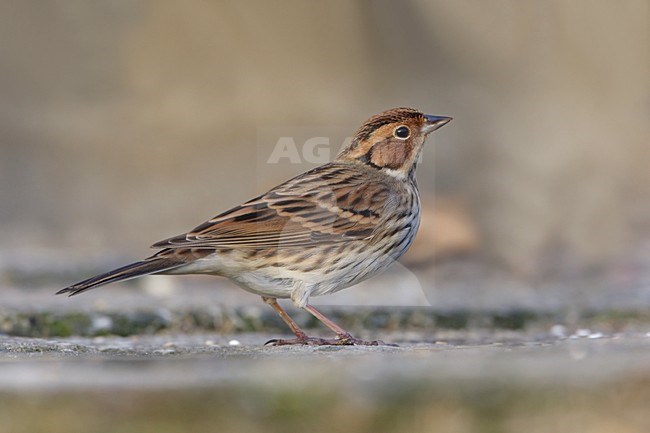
column 315, row 234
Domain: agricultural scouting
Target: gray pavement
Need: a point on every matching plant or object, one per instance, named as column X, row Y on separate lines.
column 479, row 351
column 468, row 381
column 200, row 360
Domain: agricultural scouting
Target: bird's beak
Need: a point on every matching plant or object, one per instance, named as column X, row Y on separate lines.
column 434, row 122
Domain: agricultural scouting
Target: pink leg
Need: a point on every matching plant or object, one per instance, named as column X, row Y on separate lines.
column 343, row 337
column 300, row 334
column 301, row 337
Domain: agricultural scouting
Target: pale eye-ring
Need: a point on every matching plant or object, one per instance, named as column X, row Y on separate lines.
column 402, row 132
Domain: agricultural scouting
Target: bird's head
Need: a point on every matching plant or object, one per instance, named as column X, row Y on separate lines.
column 392, row 141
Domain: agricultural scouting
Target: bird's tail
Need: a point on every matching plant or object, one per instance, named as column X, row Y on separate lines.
column 152, row 265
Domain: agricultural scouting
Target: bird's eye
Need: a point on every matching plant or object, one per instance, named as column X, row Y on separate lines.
column 402, row 132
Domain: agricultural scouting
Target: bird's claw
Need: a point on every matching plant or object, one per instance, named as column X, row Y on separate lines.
column 304, row 341
column 341, row 340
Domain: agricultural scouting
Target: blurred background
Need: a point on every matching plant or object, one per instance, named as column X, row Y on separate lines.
column 125, row 122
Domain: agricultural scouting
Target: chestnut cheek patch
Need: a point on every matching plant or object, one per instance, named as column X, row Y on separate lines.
column 389, row 154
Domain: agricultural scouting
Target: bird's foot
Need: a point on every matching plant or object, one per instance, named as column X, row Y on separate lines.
column 304, row 341
column 349, row 340
column 341, row 340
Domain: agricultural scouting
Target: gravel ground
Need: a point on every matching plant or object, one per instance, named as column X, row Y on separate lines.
column 466, row 382
column 478, row 351
column 40, row 364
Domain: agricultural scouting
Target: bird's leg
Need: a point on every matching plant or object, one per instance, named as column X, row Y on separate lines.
column 301, row 337
column 342, row 333
column 300, row 334
column 343, row 336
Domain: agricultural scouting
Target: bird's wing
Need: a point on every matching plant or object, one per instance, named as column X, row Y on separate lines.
column 331, row 203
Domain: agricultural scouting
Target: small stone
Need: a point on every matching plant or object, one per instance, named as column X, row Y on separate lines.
column 596, row 335
column 234, row 343
column 102, row 323
column 583, row 332
column 558, row 331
